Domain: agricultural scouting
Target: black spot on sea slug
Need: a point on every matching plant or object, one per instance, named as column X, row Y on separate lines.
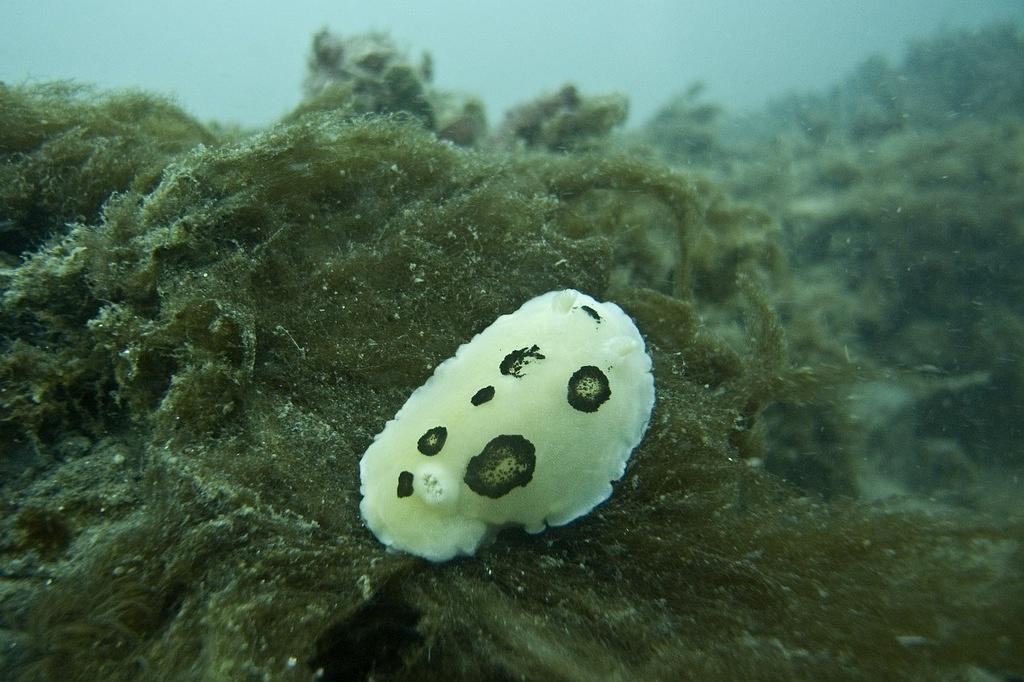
column 431, row 442
column 590, row 311
column 506, row 463
column 405, row 484
column 515, row 361
column 588, row 389
column 483, row 395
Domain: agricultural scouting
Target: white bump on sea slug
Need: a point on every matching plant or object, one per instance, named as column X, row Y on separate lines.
column 435, row 485
column 563, row 300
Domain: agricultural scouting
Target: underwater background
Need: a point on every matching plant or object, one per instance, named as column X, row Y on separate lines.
column 230, row 250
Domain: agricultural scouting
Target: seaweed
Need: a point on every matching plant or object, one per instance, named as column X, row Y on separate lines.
column 896, row 197
column 250, row 320
column 564, row 121
column 65, row 150
column 685, row 131
column 367, row 73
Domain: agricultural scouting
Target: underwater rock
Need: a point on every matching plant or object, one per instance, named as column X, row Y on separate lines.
column 245, row 323
column 565, row 120
column 367, row 73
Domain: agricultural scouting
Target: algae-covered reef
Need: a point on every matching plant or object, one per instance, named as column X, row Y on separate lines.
column 898, row 196
column 192, row 370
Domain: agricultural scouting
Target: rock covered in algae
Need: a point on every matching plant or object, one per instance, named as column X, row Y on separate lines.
column 191, row 375
column 897, row 191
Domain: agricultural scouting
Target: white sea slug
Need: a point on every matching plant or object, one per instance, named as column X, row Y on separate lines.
column 528, row 425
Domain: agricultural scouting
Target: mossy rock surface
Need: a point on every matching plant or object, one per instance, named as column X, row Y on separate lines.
column 234, row 335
